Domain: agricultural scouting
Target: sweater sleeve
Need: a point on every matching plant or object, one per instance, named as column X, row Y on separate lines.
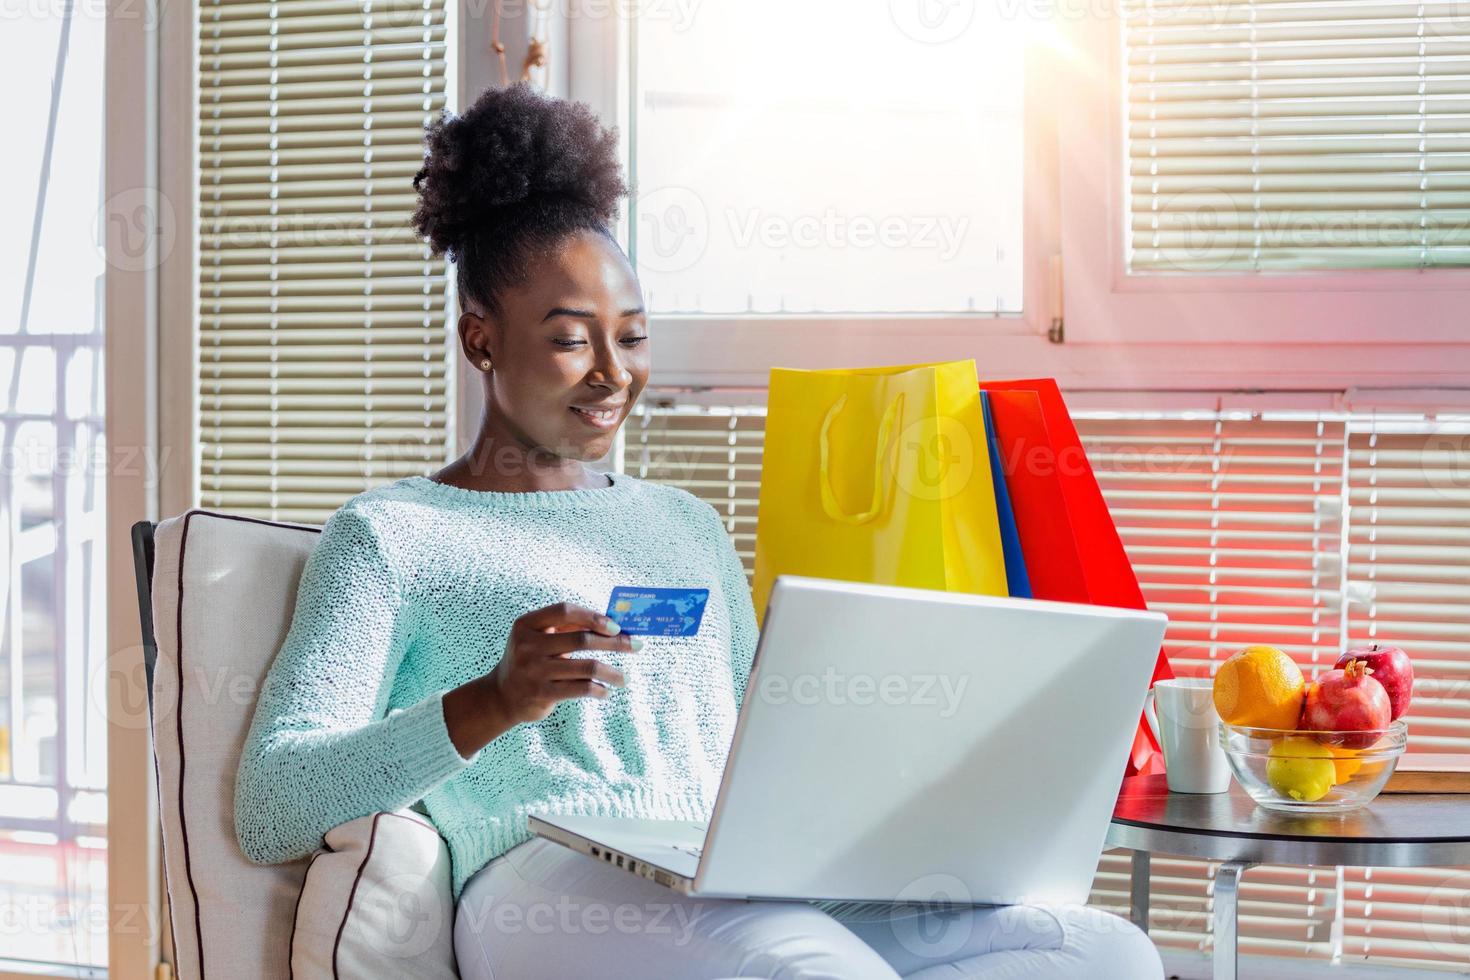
column 733, row 582
column 320, row 751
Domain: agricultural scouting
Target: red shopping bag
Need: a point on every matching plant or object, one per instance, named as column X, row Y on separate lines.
column 1072, row 549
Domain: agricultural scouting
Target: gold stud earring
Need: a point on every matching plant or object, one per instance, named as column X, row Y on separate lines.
column 485, row 364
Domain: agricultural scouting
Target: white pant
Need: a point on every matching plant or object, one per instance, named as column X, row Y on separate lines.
column 543, row 910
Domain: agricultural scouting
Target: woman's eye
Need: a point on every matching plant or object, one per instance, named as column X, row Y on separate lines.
column 568, row 344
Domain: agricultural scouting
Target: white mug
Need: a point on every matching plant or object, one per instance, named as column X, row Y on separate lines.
column 1182, row 714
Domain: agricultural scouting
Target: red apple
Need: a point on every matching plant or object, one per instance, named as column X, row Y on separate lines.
column 1390, row 667
column 1347, row 700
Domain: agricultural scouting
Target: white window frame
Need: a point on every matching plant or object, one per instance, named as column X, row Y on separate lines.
column 740, row 349
column 142, row 373
column 1285, row 332
column 1110, row 305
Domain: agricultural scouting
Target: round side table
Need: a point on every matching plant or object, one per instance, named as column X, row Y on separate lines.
column 1394, row 831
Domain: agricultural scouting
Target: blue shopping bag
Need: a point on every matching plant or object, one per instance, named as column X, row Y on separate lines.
column 1010, row 537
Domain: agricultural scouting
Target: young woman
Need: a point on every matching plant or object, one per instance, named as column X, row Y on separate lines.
column 447, row 646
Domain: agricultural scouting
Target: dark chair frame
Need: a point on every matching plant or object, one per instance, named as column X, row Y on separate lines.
column 142, row 533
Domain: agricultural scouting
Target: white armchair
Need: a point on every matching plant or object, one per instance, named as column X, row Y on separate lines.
column 375, row 899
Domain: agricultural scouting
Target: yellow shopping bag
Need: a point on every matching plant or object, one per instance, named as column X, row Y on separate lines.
column 878, row 475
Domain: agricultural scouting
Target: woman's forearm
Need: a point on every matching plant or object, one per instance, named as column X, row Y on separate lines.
column 301, row 774
column 475, row 716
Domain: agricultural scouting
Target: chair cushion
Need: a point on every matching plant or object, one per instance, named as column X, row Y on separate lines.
column 377, row 903
column 224, row 589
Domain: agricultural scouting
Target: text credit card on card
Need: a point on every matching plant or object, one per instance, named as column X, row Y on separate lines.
column 657, row 612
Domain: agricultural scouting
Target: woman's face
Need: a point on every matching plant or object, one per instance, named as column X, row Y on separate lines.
column 569, row 350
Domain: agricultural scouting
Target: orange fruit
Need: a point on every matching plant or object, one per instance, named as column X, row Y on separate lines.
column 1370, row 770
column 1260, row 687
column 1346, row 762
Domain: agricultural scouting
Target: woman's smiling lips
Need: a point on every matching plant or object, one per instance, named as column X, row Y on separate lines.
column 599, row 416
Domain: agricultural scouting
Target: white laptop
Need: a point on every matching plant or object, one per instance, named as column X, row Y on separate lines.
column 901, row 744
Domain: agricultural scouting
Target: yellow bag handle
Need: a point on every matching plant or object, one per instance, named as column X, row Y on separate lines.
column 880, row 483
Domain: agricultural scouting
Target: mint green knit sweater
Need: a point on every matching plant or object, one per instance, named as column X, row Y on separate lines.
column 412, row 590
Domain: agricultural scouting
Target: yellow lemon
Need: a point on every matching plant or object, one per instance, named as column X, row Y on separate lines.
column 1300, row 769
column 1260, row 687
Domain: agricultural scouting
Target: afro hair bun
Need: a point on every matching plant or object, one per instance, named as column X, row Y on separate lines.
column 514, row 152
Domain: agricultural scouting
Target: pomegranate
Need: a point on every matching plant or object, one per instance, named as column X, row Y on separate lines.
column 1390, row 667
column 1347, row 699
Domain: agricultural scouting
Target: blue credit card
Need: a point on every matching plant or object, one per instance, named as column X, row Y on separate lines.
column 657, row 612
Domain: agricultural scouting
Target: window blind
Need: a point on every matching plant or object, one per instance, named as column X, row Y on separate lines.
column 1297, row 134
column 713, row 451
column 1409, row 583
column 323, row 356
column 1236, row 527
column 1233, row 526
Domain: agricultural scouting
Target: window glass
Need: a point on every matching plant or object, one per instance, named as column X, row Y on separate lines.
column 828, row 157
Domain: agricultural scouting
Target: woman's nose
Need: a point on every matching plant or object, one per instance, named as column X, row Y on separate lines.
column 610, row 370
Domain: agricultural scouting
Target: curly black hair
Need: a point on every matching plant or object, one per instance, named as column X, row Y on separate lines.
column 508, row 180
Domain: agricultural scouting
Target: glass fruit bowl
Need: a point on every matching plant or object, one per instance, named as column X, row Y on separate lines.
column 1313, row 772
